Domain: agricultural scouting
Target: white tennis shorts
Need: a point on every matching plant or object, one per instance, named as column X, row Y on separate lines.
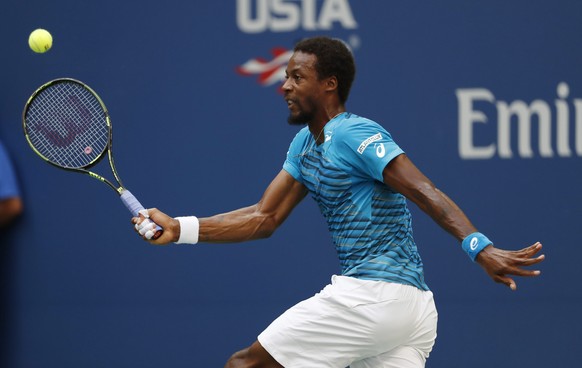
column 355, row 323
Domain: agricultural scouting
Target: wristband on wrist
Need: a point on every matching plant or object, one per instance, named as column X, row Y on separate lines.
column 475, row 243
column 189, row 228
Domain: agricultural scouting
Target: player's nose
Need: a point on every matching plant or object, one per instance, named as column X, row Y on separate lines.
column 286, row 85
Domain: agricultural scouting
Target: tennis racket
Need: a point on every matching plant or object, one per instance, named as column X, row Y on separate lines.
column 67, row 125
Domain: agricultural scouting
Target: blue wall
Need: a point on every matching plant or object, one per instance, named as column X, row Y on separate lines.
column 194, row 136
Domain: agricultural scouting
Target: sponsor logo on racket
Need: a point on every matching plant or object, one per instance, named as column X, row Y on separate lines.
column 70, row 128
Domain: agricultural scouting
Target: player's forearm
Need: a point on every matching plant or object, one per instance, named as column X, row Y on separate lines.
column 247, row 223
column 446, row 213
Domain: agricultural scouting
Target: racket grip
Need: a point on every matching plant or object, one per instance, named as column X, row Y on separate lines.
column 134, row 207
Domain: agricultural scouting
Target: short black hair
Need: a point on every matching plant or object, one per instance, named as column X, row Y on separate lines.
column 333, row 59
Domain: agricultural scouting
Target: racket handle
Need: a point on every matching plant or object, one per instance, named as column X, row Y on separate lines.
column 134, row 207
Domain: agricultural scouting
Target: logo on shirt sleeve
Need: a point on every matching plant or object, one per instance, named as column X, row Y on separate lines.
column 368, row 141
column 380, row 150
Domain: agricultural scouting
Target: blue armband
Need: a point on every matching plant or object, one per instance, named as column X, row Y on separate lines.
column 475, row 243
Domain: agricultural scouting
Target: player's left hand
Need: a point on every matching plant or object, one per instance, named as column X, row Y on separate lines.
column 500, row 264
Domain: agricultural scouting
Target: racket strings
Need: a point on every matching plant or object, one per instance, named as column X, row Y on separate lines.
column 67, row 125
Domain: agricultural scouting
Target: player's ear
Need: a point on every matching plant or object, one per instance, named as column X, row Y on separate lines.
column 331, row 83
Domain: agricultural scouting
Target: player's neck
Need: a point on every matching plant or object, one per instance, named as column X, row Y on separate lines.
column 317, row 125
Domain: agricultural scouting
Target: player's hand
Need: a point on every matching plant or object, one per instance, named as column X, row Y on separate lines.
column 500, row 264
column 144, row 227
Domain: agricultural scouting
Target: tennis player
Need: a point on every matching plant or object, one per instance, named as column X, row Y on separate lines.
column 379, row 312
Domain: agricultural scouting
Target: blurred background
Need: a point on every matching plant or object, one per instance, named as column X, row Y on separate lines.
column 484, row 96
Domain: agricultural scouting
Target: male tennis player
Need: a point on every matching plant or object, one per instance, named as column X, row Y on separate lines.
column 379, row 312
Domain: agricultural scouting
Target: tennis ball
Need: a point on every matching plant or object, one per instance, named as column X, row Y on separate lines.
column 40, row 41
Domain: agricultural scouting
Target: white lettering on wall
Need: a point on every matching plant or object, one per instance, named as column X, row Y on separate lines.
column 553, row 137
column 255, row 16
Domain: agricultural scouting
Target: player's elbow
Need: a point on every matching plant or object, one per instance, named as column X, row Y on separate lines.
column 266, row 228
column 10, row 209
column 18, row 207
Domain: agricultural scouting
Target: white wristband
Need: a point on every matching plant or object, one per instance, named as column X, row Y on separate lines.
column 189, row 228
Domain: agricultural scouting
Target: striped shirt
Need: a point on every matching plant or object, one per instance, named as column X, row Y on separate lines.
column 370, row 224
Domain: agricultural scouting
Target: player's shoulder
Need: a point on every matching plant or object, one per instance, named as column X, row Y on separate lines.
column 300, row 141
column 302, row 134
column 353, row 124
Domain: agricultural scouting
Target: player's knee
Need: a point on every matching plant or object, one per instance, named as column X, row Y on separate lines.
column 253, row 357
column 239, row 360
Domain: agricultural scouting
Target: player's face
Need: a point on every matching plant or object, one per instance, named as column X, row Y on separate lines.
column 302, row 88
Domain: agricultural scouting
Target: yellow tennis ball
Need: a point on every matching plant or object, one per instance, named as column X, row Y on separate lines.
column 40, row 41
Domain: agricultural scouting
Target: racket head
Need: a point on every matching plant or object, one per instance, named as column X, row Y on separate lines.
column 67, row 124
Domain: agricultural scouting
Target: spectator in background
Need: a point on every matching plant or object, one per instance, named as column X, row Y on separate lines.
column 10, row 200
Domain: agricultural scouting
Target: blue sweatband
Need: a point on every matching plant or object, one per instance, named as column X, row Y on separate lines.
column 475, row 243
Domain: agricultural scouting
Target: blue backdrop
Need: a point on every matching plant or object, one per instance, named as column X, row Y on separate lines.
column 484, row 96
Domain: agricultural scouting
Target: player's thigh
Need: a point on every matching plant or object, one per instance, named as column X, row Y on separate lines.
column 401, row 357
column 347, row 321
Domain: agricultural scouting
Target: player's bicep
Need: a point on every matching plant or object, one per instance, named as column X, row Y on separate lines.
column 281, row 196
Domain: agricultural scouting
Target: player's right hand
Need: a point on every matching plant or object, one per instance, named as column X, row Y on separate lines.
column 146, row 227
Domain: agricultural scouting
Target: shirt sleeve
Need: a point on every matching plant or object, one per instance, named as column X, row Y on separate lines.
column 8, row 184
column 296, row 149
column 368, row 147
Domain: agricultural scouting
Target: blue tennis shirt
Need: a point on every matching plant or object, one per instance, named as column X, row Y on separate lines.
column 370, row 224
column 8, row 184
